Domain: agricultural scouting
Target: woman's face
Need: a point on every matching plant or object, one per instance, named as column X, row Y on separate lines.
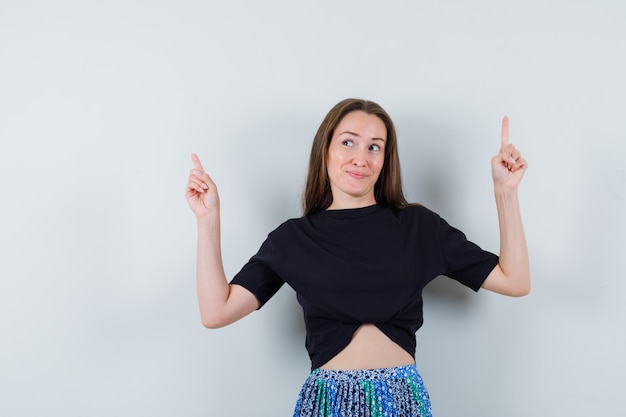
column 355, row 158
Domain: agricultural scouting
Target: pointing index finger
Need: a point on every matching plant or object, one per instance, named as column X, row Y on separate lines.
column 505, row 132
column 196, row 162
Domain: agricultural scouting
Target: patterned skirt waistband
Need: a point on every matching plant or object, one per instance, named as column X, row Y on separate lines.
column 388, row 392
column 366, row 374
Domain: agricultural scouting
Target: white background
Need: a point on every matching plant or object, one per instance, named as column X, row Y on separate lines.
column 101, row 104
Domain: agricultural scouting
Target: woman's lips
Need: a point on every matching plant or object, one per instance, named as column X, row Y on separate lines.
column 357, row 175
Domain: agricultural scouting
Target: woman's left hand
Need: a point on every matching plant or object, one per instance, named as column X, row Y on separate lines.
column 508, row 167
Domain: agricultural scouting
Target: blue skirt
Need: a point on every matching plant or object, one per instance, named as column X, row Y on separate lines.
column 386, row 392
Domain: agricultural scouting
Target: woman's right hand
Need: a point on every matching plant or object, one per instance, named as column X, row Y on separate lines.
column 201, row 191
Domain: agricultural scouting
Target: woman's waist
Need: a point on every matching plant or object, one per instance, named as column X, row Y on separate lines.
column 370, row 348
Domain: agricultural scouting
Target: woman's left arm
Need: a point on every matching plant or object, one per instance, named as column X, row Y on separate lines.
column 512, row 275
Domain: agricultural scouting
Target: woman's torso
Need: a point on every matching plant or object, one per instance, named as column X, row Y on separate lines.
column 369, row 349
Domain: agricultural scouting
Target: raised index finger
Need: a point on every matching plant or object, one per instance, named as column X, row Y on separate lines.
column 505, row 132
column 196, row 162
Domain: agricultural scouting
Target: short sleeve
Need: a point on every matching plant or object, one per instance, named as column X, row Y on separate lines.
column 464, row 261
column 258, row 276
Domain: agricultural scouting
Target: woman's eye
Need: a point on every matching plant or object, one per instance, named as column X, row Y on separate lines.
column 348, row 142
column 374, row 148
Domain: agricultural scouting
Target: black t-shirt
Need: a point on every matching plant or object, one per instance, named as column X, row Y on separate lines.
column 364, row 265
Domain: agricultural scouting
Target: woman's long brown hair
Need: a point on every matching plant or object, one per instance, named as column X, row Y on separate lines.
column 387, row 190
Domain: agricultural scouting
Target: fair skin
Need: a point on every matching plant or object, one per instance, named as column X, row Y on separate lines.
column 220, row 303
column 355, row 159
column 356, row 153
column 512, row 275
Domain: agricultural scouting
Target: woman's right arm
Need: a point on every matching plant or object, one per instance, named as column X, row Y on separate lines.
column 220, row 303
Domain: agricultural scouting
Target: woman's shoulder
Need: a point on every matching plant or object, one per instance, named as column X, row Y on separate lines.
column 417, row 210
column 288, row 226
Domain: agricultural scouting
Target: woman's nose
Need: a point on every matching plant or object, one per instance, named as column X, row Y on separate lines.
column 358, row 159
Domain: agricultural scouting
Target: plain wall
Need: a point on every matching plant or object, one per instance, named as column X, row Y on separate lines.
column 101, row 104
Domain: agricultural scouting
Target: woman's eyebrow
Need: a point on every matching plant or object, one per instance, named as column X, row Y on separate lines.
column 357, row 135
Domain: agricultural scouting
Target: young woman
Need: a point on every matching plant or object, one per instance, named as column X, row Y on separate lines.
column 358, row 261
